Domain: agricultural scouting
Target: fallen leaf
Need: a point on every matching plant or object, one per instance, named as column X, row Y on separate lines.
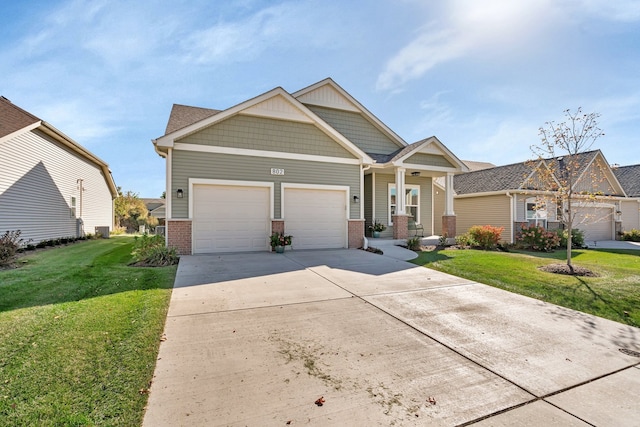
column 163, row 338
column 143, row 391
column 431, row 400
column 289, row 422
column 320, row 401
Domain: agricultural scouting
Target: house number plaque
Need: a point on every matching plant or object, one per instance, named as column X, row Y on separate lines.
column 277, row 171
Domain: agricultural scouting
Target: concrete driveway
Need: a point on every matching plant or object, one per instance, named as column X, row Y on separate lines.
column 256, row 339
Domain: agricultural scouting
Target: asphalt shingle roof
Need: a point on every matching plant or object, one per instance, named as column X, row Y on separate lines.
column 509, row 177
column 629, row 178
column 183, row 115
column 13, row 118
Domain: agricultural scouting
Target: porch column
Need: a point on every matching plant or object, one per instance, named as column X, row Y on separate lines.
column 401, row 205
column 400, row 219
column 449, row 217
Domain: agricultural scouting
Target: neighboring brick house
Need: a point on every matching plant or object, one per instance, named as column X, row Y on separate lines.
column 315, row 164
column 50, row 186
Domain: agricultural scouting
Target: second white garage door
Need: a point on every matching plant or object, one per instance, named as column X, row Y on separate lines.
column 317, row 219
column 595, row 222
column 230, row 218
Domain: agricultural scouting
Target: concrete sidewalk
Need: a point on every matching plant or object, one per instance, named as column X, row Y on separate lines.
column 257, row 339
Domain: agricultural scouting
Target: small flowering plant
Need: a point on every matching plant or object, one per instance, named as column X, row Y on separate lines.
column 377, row 226
column 280, row 239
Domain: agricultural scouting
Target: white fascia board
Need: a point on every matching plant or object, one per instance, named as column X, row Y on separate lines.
column 328, row 81
column 25, row 129
column 263, row 153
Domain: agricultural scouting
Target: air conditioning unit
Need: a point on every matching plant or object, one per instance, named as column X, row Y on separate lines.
column 104, row 231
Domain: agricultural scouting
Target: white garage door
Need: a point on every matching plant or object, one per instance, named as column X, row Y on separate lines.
column 317, row 219
column 596, row 223
column 230, row 218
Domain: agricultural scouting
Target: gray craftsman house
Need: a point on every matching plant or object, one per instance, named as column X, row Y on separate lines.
column 314, row 164
column 50, row 186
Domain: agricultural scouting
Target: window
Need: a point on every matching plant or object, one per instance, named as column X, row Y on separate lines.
column 412, row 201
column 536, row 212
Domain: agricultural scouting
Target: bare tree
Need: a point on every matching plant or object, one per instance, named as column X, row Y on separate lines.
column 560, row 166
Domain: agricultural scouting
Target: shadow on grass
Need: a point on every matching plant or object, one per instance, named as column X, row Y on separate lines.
column 428, row 257
column 79, row 271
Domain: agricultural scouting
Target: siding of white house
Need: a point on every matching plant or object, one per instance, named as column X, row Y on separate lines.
column 630, row 214
column 38, row 181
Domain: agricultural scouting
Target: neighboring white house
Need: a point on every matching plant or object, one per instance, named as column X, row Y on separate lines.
column 50, row 186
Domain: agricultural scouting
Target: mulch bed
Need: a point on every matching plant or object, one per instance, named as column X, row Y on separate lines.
column 564, row 269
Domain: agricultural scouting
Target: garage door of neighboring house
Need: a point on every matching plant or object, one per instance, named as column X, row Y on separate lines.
column 230, row 218
column 595, row 222
column 317, row 219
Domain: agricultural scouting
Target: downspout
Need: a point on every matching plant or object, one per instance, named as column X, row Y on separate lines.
column 365, row 243
column 511, row 218
column 167, row 193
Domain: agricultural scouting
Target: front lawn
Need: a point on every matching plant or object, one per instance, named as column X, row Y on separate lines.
column 79, row 335
column 615, row 294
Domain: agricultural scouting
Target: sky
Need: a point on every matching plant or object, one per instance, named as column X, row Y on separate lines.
column 481, row 75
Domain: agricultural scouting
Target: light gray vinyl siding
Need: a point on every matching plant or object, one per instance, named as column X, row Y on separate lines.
column 38, row 178
column 258, row 133
column 484, row 210
column 429, row 160
column 357, row 129
column 382, row 201
column 190, row 164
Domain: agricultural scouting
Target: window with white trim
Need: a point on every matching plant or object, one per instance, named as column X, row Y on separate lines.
column 536, row 212
column 411, row 201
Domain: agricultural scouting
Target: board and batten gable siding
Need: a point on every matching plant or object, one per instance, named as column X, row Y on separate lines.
column 357, row 129
column 594, row 180
column 38, row 178
column 484, row 210
column 429, row 160
column 190, row 164
column 259, row 133
column 382, row 201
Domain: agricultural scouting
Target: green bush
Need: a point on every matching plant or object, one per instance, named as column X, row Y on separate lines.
column 10, row 241
column 631, row 235
column 465, row 240
column 577, row 238
column 486, row 236
column 537, row 238
column 151, row 251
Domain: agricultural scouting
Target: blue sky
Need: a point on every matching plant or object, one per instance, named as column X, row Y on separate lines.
column 481, row 75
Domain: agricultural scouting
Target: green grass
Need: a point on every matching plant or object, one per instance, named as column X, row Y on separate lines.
column 79, row 335
column 614, row 295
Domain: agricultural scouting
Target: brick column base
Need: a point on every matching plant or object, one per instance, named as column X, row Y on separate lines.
column 356, row 233
column 179, row 235
column 400, row 226
column 277, row 226
column 449, row 226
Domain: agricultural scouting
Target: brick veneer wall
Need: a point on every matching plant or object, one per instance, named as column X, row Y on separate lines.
column 356, row 233
column 277, row 226
column 179, row 235
column 400, row 226
column 449, row 225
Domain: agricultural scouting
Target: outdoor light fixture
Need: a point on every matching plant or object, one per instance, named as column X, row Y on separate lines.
column 180, row 193
column 356, row 199
column 415, row 173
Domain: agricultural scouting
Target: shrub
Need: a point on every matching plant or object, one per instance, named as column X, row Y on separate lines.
column 577, row 238
column 413, row 243
column 486, row 236
column 537, row 238
column 10, row 241
column 465, row 240
column 151, row 251
column 631, row 235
